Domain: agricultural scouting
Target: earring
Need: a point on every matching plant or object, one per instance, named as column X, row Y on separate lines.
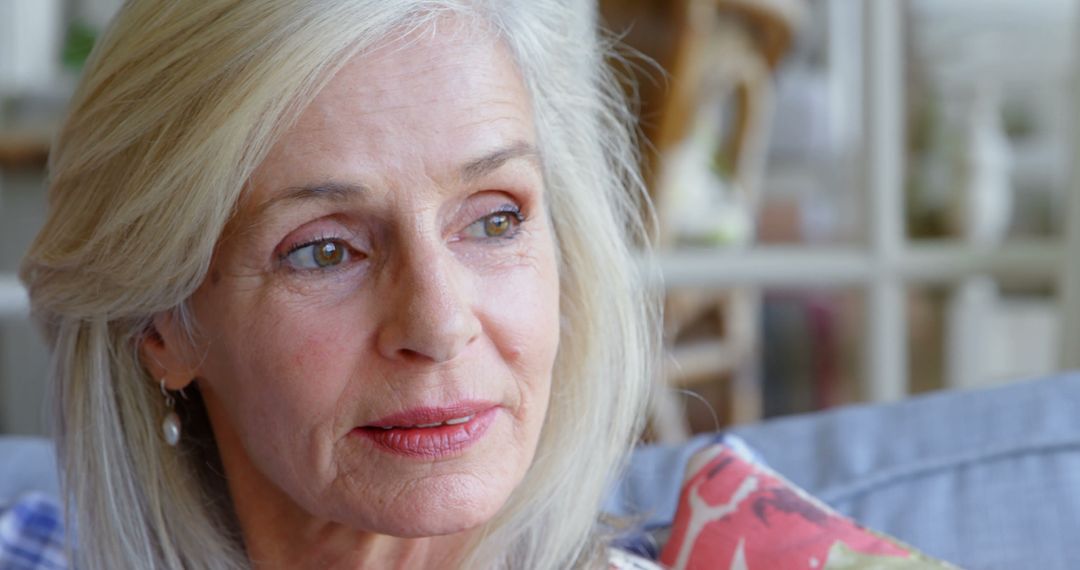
column 170, row 427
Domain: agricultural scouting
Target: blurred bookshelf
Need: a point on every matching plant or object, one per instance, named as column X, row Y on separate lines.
column 915, row 211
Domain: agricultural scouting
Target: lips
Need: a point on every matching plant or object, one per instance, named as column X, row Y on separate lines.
column 431, row 433
column 450, row 422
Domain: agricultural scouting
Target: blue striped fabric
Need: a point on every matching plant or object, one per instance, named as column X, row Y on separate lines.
column 32, row 534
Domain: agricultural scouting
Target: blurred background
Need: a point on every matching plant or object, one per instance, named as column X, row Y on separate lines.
column 858, row 200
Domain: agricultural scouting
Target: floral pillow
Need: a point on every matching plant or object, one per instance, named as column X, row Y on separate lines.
column 736, row 514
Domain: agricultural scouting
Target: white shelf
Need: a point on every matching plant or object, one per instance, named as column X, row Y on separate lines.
column 767, row 266
column 809, row 267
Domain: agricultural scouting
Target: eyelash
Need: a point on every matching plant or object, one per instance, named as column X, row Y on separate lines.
column 315, row 241
column 283, row 258
column 513, row 210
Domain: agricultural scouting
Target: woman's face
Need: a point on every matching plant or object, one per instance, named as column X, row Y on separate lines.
column 381, row 321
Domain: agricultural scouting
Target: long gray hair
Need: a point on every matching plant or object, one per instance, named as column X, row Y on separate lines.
column 179, row 103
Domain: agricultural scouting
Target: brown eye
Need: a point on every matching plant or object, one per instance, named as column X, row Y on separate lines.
column 322, row 254
column 496, row 225
column 328, row 253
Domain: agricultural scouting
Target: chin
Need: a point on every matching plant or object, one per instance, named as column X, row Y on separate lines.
column 443, row 506
column 433, row 528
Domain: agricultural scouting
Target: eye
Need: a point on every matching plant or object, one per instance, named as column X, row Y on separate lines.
column 495, row 225
column 321, row 254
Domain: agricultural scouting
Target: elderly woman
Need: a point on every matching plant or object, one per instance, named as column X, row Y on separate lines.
column 344, row 284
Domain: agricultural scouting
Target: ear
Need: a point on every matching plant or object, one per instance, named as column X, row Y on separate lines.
column 166, row 352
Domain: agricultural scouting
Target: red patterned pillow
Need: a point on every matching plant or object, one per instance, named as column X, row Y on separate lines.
column 736, row 514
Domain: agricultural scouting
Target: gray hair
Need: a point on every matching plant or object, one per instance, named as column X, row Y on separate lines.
column 179, row 103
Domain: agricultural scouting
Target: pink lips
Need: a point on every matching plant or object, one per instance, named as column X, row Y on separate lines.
column 431, row 432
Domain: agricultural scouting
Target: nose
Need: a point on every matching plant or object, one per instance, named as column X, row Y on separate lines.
column 429, row 312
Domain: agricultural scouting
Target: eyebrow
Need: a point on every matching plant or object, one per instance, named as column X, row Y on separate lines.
column 341, row 191
column 477, row 168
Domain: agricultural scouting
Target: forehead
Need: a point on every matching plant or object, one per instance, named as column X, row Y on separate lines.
column 415, row 107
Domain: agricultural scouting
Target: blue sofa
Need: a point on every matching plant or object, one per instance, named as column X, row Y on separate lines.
column 987, row 479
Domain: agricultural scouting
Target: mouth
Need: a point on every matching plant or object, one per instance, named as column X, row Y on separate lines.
column 450, row 422
column 431, row 433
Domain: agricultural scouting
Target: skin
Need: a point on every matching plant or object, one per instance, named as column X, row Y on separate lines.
column 419, row 142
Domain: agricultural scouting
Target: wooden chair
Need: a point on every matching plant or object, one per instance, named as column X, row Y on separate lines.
column 726, row 52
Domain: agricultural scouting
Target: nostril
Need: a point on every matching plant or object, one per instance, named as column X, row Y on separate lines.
column 430, row 345
column 410, row 354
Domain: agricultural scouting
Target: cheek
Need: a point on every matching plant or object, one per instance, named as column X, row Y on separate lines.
column 313, row 351
column 284, row 367
column 522, row 312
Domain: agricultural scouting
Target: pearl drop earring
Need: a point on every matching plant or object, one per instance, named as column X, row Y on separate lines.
column 170, row 427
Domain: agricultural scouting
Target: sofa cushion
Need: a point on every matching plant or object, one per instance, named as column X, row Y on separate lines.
column 736, row 513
